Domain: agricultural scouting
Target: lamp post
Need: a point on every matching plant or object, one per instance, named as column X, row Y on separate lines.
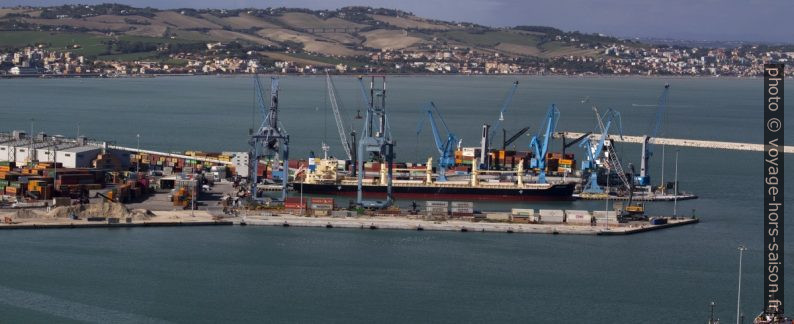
column 739, row 293
column 138, row 161
column 675, row 187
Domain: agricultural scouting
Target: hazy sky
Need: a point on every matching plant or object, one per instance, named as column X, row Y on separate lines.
column 754, row 20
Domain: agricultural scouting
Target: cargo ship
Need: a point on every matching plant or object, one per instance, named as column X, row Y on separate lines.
column 324, row 178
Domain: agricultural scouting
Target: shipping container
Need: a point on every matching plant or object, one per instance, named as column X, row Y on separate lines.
column 552, row 216
column 462, row 204
column 578, row 217
column 327, row 201
column 602, row 216
column 462, row 210
column 522, row 212
column 498, row 216
column 431, row 203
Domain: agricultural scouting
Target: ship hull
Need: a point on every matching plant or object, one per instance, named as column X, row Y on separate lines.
column 553, row 193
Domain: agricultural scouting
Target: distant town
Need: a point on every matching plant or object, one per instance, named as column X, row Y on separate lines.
column 349, row 40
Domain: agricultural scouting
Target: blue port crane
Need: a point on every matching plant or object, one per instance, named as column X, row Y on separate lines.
column 644, row 178
column 594, row 150
column 446, row 149
column 541, row 147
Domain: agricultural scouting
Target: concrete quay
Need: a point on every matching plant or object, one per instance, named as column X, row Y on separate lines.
column 395, row 223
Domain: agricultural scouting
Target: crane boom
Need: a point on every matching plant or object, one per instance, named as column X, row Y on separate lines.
column 644, row 178
column 515, row 137
column 339, row 125
column 505, row 104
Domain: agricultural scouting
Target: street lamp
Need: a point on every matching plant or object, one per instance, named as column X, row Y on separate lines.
column 675, row 187
column 739, row 293
column 138, row 160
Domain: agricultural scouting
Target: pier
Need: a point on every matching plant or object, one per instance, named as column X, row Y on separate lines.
column 395, row 223
column 679, row 142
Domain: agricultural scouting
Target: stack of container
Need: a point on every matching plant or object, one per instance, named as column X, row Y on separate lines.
column 520, row 215
column 558, row 162
column 40, row 187
column 294, row 205
column 322, row 206
column 436, row 208
column 462, row 208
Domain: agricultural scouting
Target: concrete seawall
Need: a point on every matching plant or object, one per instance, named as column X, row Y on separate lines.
column 458, row 226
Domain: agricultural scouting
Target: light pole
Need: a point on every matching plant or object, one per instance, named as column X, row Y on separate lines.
column 739, row 293
column 138, row 160
column 30, row 149
column 302, row 198
column 606, row 207
column 675, row 187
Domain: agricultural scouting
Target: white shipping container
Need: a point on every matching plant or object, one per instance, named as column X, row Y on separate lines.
column 602, row 216
column 578, row 217
column 431, row 203
column 462, row 204
column 469, row 151
column 322, row 206
column 521, row 211
column 462, row 210
column 497, row 216
column 552, row 216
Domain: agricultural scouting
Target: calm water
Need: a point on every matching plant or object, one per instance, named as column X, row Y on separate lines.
column 287, row 275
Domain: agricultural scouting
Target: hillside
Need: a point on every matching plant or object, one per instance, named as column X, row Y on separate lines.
column 343, row 35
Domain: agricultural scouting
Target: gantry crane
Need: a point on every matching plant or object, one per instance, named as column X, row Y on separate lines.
column 446, row 149
column 539, row 149
column 377, row 143
column 270, row 141
column 644, row 178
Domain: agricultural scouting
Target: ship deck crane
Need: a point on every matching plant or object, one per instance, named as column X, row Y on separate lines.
column 644, row 178
column 595, row 151
column 269, row 141
column 375, row 142
column 446, row 149
column 513, row 138
column 339, row 124
column 539, row 148
column 488, row 131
